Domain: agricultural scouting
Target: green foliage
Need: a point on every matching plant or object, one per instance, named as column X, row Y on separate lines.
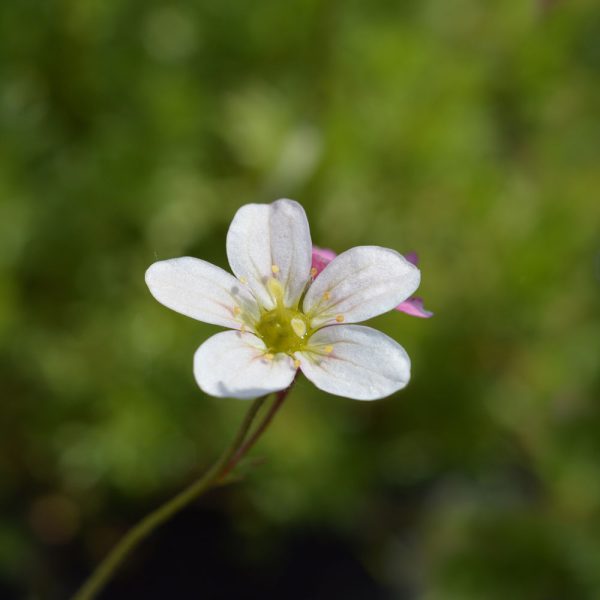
column 132, row 131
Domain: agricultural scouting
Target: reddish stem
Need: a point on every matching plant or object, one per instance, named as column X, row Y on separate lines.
column 250, row 441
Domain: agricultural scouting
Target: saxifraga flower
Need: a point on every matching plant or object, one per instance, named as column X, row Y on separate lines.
column 287, row 314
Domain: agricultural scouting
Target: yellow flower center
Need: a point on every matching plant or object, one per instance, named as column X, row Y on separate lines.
column 283, row 330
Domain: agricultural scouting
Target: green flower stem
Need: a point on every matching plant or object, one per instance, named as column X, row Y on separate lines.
column 247, row 445
column 213, row 477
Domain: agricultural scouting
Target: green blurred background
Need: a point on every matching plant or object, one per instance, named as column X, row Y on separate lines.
column 468, row 131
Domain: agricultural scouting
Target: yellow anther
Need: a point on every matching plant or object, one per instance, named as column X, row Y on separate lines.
column 313, row 272
column 243, row 328
column 328, row 349
column 269, row 356
column 299, row 327
column 243, row 280
column 326, row 296
column 339, row 318
column 275, row 269
column 237, row 310
column 296, row 364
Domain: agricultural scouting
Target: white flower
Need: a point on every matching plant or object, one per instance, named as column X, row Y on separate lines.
column 283, row 317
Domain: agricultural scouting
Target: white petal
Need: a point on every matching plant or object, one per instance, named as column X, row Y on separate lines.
column 205, row 292
column 361, row 283
column 356, row 362
column 233, row 364
column 271, row 241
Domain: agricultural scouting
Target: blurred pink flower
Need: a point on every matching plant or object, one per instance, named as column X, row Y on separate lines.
column 413, row 306
column 321, row 257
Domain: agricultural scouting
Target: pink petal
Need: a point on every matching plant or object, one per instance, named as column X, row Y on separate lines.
column 412, row 257
column 414, row 307
column 321, row 257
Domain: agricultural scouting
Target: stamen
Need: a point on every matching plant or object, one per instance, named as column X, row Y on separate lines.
column 276, row 290
column 313, row 272
column 299, row 327
column 297, row 364
column 328, row 349
column 326, row 296
column 274, row 269
column 339, row 318
column 243, row 280
column 269, row 356
column 236, row 310
column 243, row 328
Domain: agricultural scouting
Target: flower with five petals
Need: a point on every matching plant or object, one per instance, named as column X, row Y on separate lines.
column 285, row 315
